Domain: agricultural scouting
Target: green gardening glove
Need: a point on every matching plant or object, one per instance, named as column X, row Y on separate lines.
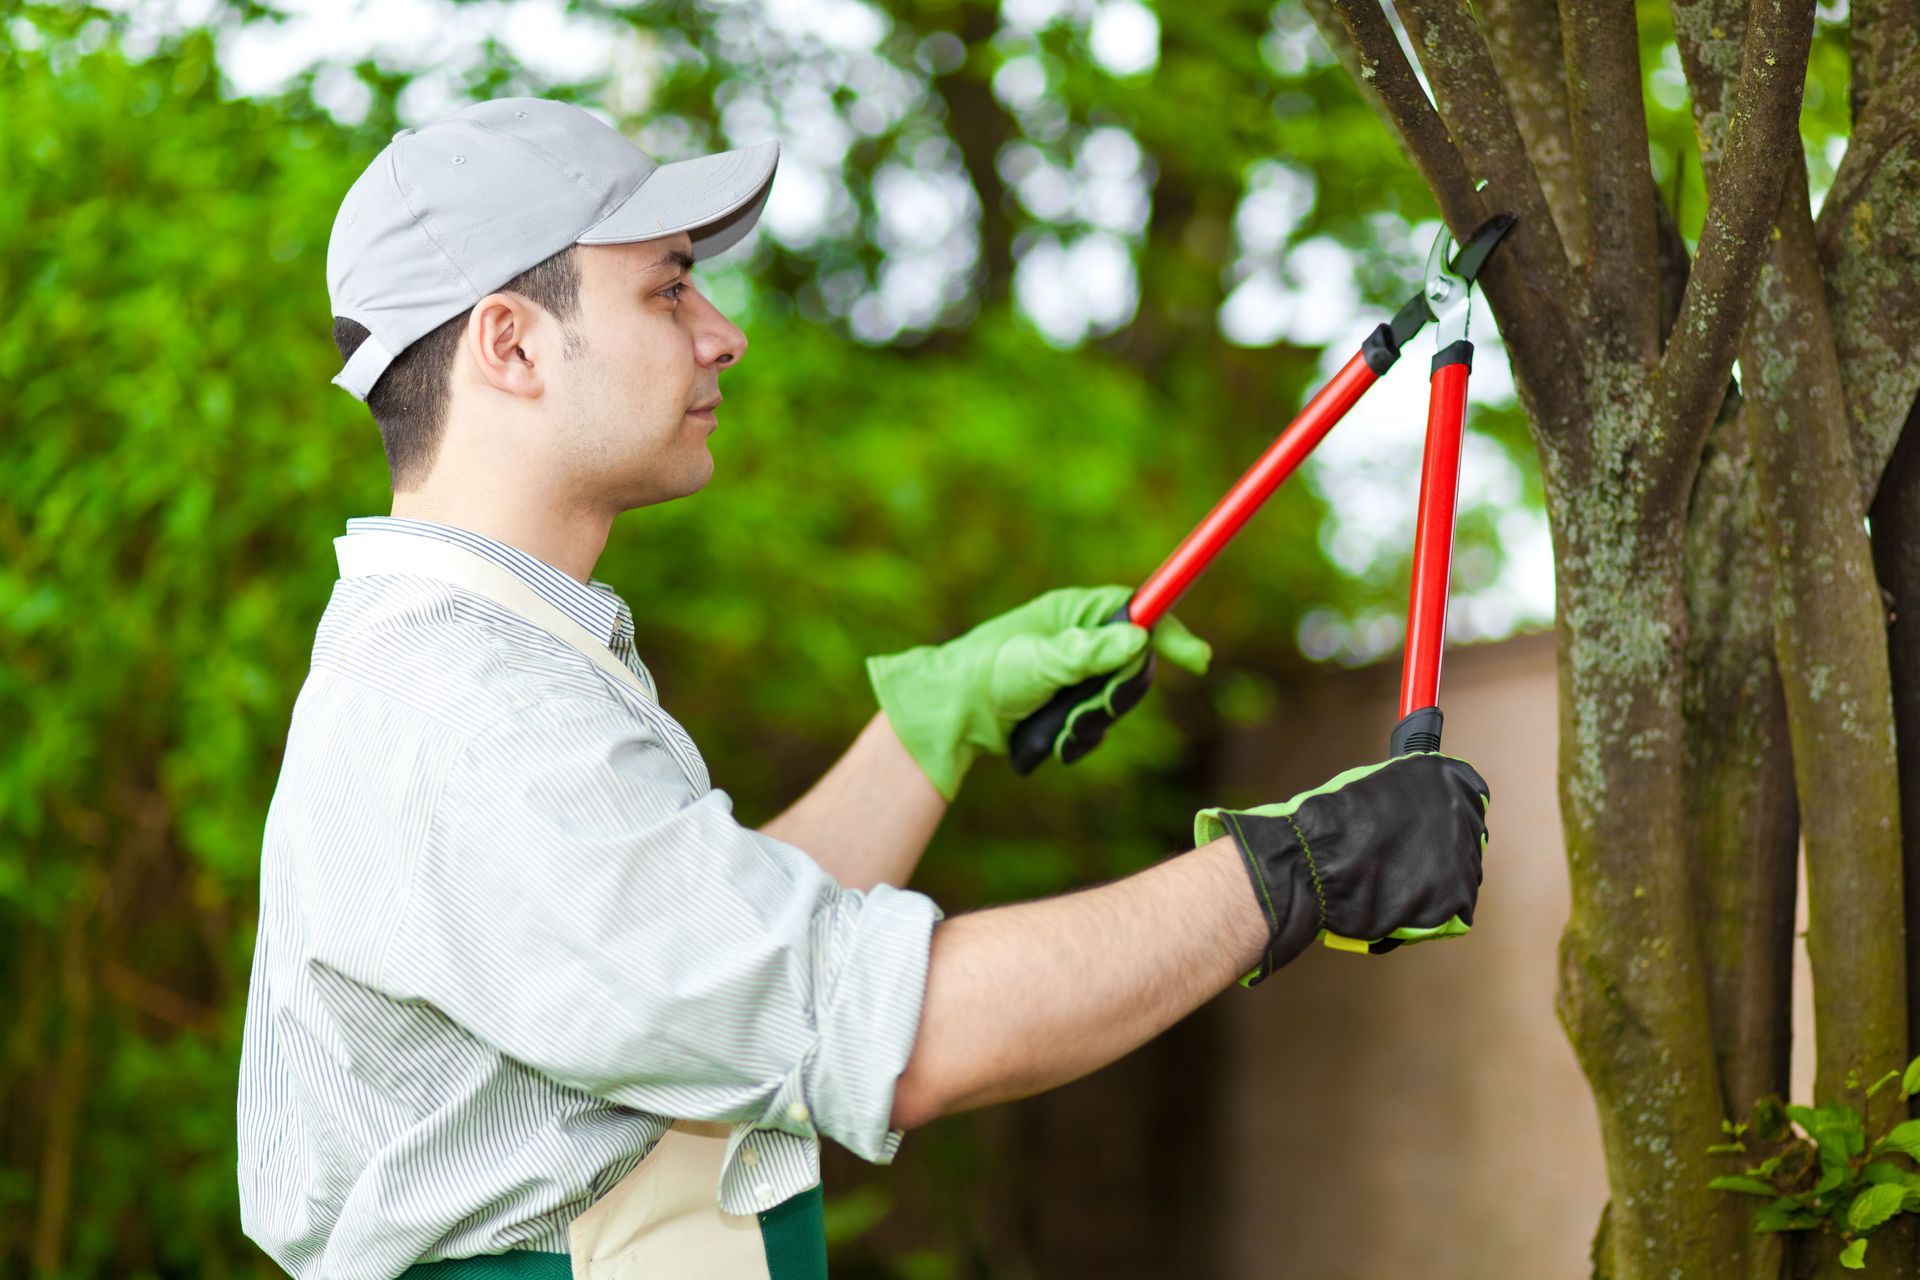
column 951, row 702
column 1378, row 856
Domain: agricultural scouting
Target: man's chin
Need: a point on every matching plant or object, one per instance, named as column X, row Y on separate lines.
column 689, row 480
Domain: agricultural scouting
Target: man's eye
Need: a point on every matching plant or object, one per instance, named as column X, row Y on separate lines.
column 673, row 291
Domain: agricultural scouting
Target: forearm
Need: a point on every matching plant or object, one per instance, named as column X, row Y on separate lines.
column 868, row 819
column 1023, row 998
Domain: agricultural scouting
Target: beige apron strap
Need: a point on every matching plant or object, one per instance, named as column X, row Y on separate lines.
column 364, row 555
column 661, row 1221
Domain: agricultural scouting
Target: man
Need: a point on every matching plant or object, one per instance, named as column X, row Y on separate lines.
column 527, row 1000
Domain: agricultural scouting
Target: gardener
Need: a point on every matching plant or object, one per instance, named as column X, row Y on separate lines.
column 527, row 999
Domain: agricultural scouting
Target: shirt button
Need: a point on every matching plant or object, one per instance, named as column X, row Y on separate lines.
column 798, row 1113
column 763, row 1193
column 749, row 1157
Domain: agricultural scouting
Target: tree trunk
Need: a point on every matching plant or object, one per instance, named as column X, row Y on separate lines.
column 1829, row 631
column 1724, row 679
column 1632, row 996
column 1743, row 822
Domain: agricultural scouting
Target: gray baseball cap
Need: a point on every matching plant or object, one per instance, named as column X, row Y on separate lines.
column 448, row 213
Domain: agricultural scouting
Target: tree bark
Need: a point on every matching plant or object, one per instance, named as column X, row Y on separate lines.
column 1523, row 38
column 1830, row 641
column 1869, row 233
column 1632, row 996
column 1613, row 177
column 1830, row 645
column 1882, row 34
column 1743, row 822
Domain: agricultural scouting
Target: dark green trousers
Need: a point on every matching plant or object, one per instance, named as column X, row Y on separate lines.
column 794, row 1234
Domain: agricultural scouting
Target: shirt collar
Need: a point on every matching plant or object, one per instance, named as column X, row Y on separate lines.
column 594, row 604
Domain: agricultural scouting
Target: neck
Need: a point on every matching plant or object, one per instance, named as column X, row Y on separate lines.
column 568, row 538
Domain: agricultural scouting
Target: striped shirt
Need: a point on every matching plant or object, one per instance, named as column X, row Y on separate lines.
column 508, row 928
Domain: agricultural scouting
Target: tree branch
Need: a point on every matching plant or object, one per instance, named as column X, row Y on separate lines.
column 1470, row 98
column 1519, row 279
column 1711, row 35
column 1365, row 43
column 1742, row 820
column 1869, row 233
column 1832, row 659
column 1523, row 39
column 1745, row 198
column 1882, row 34
column 1613, row 175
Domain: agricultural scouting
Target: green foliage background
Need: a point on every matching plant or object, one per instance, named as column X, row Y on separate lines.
column 174, row 465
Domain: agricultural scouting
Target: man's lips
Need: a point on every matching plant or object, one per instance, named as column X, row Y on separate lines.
column 708, row 407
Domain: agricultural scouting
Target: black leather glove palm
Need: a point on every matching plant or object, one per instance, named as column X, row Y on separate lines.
column 1380, row 855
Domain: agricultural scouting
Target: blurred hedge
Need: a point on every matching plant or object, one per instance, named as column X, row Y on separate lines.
column 174, row 465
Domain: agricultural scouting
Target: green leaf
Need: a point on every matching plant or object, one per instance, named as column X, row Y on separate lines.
column 1850, row 1127
column 1910, row 1083
column 1878, row 1172
column 1854, row 1256
column 1728, row 1126
column 1834, row 1174
column 1904, row 1138
column 1766, row 1167
column 1875, row 1205
column 1727, row 1149
column 1877, row 1084
column 1836, row 1124
column 1744, row 1185
column 1787, row 1213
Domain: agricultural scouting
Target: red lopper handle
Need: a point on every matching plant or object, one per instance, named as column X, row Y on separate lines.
column 1433, row 536
column 1171, row 580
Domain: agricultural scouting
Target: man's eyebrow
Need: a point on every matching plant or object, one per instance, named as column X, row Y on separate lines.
column 679, row 259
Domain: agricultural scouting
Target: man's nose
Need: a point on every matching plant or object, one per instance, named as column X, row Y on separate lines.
column 720, row 341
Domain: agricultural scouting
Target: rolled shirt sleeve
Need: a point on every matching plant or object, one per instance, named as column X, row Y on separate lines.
column 577, row 905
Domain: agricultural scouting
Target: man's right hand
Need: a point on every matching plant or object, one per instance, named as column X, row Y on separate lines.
column 1385, row 851
column 1028, row 996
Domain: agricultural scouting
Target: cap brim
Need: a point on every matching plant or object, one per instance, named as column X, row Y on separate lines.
column 715, row 199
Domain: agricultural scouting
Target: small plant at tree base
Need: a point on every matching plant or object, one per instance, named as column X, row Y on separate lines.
column 1829, row 1168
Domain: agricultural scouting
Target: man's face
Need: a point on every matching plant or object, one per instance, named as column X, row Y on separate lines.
column 637, row 404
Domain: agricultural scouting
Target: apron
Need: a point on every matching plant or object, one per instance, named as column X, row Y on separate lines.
column 660, row 1222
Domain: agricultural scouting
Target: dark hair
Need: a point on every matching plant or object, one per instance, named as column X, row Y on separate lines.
column 409, row 401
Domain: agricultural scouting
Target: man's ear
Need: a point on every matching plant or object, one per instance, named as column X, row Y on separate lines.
column 510, row 340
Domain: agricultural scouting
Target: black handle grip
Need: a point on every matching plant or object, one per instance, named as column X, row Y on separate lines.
column 1419, row 731
column 1032, row 739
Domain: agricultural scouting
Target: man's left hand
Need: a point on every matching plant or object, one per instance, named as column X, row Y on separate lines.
column 951, row 702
